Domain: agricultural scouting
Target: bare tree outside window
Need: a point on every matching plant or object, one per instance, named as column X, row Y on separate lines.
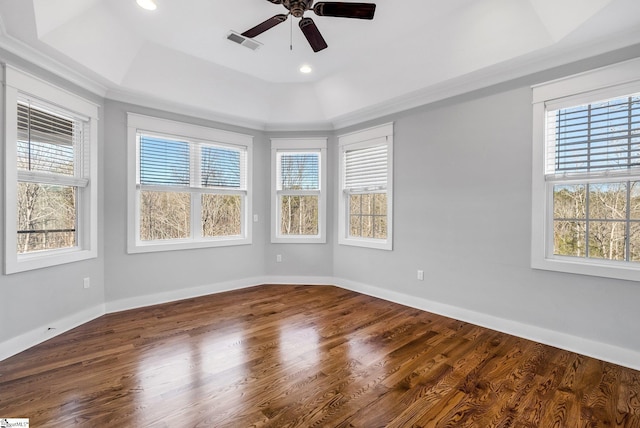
column 602, row 222
column 368, row 215
column 299, row 174
column 221, row 215
column 597, row 218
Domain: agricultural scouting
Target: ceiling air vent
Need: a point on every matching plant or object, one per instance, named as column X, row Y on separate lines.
column 244, row 41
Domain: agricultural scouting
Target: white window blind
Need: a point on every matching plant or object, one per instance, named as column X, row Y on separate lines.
column 168, row 162
column 298, row 171
column 366, row 169
column 222, row 167
column 594, row 139
column 51, row 146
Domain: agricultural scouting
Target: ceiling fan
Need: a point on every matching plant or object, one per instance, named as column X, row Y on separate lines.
column 297, row 8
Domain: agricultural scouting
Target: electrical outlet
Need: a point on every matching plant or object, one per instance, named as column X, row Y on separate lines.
column 86, row 282
column 255, row 218
column 279, row 258
column 420, row 275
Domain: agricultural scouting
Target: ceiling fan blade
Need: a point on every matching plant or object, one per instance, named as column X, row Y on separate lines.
column 312, row 34
column 264, row 26
column 345, row 10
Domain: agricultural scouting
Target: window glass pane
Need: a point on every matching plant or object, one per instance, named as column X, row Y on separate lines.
column 221, row 215
column 367, row 230
column 608, row 201
column 299, row 215
column 366, row 204
column 164, row 162
column 46, row 217
column 355, row 225
column 299, row 171
column 164, row 215
column 380, row 231
column 607, row 240
column 570, row 238
column 569, row 201
column 45, row 141
column 634, row 241
column 634, row 204
column 355, row 202
column 220, row 167
column 380, row 204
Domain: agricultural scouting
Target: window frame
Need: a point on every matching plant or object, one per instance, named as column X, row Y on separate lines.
column 366, row 138
column 137, row 123
column 590, row 87
column 299, row 145
column 19, row 86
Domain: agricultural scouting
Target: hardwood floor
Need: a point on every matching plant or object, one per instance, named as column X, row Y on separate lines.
column 317, row 356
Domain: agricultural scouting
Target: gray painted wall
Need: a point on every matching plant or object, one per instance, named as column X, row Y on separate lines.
column 37, row 299
column 462, row 214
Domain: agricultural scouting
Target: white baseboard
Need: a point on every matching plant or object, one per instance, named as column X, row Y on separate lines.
column 220, row 287
column 299, row 280
column 40, row 334
column 181, row 294
column 602, row 351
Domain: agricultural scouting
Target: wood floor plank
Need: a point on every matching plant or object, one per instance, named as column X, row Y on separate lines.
column 307, row 356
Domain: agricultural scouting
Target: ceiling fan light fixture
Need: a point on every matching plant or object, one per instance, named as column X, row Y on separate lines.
column 297, row 8
column 305, row 69
column 147, row 4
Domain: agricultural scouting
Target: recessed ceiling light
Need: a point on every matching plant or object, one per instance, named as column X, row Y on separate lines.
column 306, row 69
column 147, row 4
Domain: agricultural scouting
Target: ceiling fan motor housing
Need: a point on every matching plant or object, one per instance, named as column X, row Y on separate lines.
column 297, row 7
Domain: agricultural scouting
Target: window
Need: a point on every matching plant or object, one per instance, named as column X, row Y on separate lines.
column 366, row 177
column 51, row 170
column 189, row 186
column 587, row 180
column 298, row 190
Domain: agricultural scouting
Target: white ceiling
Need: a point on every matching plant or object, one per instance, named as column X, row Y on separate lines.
column 414, row 51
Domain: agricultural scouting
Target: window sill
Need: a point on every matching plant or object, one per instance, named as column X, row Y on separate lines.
column 157, row 246
column 298, row 239
column 377, row 244
column 600, row 268
column 44, row 259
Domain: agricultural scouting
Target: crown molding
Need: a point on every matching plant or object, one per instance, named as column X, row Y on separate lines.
column 148, row 101
column 623, row 48
column 37, row 58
